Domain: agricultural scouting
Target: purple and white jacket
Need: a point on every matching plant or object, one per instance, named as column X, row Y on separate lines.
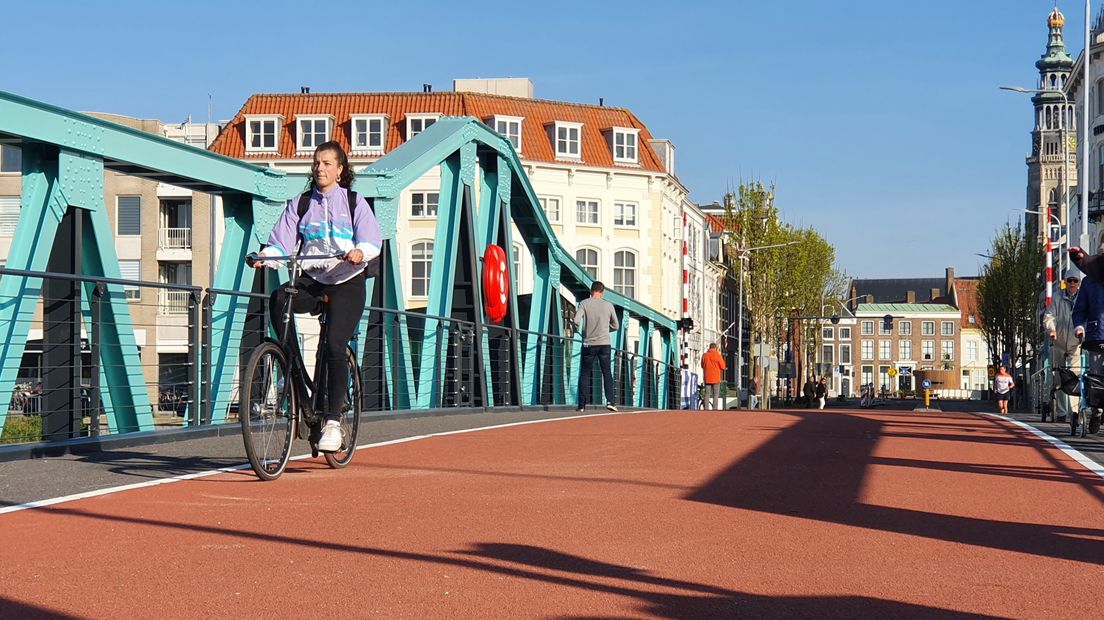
column 327, row 228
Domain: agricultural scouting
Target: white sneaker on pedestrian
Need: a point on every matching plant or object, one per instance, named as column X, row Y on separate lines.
column 331, row 437
column 611, row 408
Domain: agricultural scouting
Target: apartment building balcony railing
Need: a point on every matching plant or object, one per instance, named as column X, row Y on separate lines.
column 175, row 239
column 173, row 302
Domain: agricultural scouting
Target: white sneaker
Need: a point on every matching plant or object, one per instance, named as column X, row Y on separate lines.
column 331, row 437
column 611, row 408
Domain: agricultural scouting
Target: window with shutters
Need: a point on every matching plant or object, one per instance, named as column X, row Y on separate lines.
column 131, row 270
column 9, row 215
column 128, row 215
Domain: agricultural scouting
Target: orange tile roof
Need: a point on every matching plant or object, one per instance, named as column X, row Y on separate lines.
column 536, row 144
column 716, row 223
column 966, row 294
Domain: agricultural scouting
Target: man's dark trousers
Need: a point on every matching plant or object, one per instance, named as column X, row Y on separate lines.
column 602, row 352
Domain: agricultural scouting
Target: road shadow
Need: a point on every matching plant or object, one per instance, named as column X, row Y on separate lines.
column 25, row 611
column 816, row 469
column 680, row 600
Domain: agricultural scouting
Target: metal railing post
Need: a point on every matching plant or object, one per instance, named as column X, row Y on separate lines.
column 98, row 291
column 194, row 348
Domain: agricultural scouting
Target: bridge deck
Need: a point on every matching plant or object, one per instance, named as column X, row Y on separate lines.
column 671, row 515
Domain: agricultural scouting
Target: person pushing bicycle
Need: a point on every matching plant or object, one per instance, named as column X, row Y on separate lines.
column 335, row 220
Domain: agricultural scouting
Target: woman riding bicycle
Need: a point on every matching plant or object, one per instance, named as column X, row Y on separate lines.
column 328, row 226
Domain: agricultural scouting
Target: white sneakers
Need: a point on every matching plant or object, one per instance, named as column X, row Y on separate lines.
column 331, row 437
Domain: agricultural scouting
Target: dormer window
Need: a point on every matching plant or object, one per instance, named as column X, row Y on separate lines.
column 262, row 133
column 625, row 145
column 417, row 123
column 510, row 128
column 567, row 139
column 311, row 131
column 369, row 133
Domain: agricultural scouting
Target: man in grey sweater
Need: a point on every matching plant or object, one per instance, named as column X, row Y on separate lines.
column 595, row 318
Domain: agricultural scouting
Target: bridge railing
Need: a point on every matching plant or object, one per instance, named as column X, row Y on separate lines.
column 409, row 360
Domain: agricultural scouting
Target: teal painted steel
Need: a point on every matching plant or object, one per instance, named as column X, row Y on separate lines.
column 253, row 197
column 646, row 330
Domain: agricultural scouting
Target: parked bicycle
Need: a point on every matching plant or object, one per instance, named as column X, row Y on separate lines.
column 279, row 401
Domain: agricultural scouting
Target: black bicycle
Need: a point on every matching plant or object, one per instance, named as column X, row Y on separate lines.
column 279, row 401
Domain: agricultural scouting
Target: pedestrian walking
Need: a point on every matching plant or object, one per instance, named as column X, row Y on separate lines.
column 1058, row 324
column 809, row 392
column 753, row 394
column 595, row 318
column 713, row 367
column 822, row 393
column 1002, row 385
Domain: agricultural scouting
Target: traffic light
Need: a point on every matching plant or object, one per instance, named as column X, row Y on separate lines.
column 887, row 322
column 686, row 324
column 835, row 319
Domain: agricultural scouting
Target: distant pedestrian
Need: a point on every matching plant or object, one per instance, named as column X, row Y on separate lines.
column 596, row 318
column 713, row 367
column 809, row 391
column 822, row 393
column 753, row 394
column 1002, row 385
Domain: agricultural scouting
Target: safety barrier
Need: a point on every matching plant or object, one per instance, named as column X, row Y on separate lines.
column 178, row 371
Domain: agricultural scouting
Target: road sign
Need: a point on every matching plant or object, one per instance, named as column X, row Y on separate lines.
column 892, row 372
column 992, row 372
column 926, row 384
column 906, row 371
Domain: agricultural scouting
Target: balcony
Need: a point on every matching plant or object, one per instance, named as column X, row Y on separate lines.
column 173, row 303
column 174, row 244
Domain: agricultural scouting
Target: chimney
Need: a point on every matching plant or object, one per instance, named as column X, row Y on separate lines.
column 304, row 90
column 869, row 299
column 910, row 297
column 601, row 101
column 427, row 88
column 934, row 294
column 949, row 284
column 666, row 152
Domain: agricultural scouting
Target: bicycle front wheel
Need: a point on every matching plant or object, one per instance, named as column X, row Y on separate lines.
column 267, row 411
column 350, row 415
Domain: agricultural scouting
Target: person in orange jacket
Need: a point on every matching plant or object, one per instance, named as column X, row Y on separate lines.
column 713, row 366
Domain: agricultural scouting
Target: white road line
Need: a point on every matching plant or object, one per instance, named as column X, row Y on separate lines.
column 222, row 470
column 1070, row 451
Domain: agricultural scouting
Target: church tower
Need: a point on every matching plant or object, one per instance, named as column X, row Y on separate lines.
column 1055, row 127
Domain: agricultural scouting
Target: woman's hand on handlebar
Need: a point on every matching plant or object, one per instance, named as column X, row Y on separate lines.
column 253, row 259
column 355, row 256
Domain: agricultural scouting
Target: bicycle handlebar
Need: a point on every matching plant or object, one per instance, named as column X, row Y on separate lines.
column 252, row 258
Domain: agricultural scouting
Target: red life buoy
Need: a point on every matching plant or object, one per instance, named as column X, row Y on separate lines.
column 496, row 283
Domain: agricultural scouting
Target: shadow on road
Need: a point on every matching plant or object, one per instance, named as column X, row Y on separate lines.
column 836, row 449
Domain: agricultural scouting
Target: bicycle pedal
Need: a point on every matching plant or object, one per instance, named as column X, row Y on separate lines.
column 314, row 450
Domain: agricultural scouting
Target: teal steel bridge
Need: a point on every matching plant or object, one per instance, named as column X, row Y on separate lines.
column 530, row 359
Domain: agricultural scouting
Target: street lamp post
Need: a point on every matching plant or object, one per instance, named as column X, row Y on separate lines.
column 1064, row 126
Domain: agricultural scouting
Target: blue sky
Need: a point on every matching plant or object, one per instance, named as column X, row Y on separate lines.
column 879, row 121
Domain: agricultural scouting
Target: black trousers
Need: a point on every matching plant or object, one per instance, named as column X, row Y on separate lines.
column 602, row 353
column 346, row 308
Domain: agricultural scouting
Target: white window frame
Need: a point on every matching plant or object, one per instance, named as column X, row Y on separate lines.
column 368, row 149
column 943, row 331
column 904, row 349
column 971, row 351
column 882, row 331
column 927, row 347
column 566, row 153
column 845, row 333
column 885, row 350
column 866, row 328
column 626, row 133
column 904, row 328
column 429, row 267
column 514, row 139
column 924, row 328
column 842, row 348
column 866, row 350
column 277, row 124
column 620, row 218
column 305, row 149
column 425, row 215
column 946, row 350
column 132, row 293
column 597, row 260
column 410, row 118
column 828, row 354
column 597, row 211
column 559, row 208
column 827, row 333
column 629, row 290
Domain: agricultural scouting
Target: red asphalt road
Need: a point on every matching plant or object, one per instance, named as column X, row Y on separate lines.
column 659, row 515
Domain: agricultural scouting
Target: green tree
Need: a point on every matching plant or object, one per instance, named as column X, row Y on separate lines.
column 1008, row 294
column 796, row 276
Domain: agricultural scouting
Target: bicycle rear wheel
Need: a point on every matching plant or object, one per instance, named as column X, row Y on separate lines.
column 350, row 416
column 267, row 411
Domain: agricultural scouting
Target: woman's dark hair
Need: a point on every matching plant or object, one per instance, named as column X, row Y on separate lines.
column 347, row 174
